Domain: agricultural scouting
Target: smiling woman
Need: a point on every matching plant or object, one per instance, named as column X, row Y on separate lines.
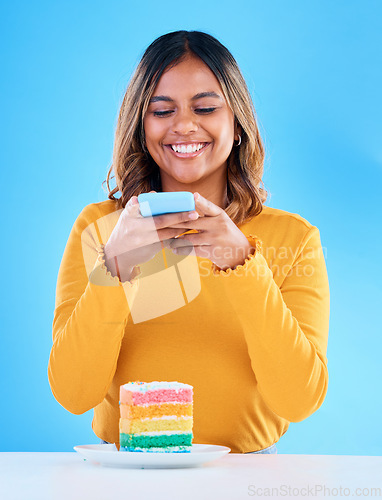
column 231, row 298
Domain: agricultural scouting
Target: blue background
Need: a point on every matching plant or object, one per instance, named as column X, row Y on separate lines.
column 313, row 72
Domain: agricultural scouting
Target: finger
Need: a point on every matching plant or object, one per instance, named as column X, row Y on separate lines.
column 178, row 243
column 168, row 242
column 183, row 250
column 206, row 206
column 132, row 207
column 133, row 201
column 167, row 220
column 202, row 251
column 200, row 224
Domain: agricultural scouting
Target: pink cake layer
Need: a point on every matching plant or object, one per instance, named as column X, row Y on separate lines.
column 157, row 396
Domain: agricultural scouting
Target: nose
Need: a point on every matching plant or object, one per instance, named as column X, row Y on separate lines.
column 185, row 122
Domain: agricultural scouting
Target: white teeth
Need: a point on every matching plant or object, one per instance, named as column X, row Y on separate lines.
column 191, row 148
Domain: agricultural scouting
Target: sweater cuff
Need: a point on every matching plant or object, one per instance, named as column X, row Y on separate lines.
column 102, row 276
column 257, row 245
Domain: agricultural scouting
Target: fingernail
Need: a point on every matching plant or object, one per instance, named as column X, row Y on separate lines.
column 193, row 215
column 196, row 196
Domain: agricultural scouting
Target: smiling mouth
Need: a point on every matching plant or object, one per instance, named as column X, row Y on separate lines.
column 188, row 151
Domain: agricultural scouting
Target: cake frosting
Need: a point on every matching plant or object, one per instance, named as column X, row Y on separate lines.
column 156, row 417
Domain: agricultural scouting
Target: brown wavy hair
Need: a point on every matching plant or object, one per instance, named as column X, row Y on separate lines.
column 134, row 169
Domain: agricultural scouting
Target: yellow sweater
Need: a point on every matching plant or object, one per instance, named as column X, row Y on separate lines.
column 251, row 341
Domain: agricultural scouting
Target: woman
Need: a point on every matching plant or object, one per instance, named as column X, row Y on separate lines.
column 238, row 307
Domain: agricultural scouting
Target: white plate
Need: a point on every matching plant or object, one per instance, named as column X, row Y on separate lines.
column 109, row 456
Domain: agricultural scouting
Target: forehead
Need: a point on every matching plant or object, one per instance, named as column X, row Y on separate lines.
column 190, row 76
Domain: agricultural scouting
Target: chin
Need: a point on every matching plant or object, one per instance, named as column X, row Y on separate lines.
column 188, row 180
column 186, row 177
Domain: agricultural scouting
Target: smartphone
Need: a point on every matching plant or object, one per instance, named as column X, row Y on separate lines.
column 151, row 204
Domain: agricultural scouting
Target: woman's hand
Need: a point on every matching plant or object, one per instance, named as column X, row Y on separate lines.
column 218, row 239
column 136, row 239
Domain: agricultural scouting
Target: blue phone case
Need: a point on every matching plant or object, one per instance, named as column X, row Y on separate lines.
column 151, row 204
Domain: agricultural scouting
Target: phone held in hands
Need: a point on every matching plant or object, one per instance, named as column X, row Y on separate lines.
column 151, row 204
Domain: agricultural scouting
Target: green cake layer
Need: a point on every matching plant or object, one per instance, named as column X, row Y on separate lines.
column 161, row 440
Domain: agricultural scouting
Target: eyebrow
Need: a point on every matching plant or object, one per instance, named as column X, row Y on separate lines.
column 197, row 96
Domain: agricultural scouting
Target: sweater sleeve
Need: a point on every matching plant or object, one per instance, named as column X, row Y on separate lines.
column 286, row 327
column 91, row 312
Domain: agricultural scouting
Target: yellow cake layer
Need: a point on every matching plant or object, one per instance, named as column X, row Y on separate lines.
column 133, row 426
column 151, row 411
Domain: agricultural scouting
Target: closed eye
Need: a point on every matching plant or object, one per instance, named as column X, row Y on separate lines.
column 203, row 111
column 161, row 113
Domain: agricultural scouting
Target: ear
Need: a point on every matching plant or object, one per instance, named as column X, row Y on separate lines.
column 237, row 130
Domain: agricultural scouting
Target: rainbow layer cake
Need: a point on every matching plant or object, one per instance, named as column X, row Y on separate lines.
column 156, row 417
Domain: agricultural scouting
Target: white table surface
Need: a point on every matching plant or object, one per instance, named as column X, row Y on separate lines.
column 56, row 476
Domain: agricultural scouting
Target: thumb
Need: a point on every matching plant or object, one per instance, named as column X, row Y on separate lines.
column 132, row 207
column 133, row 200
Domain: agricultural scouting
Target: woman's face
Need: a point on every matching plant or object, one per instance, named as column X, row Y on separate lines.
column 198, row 126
